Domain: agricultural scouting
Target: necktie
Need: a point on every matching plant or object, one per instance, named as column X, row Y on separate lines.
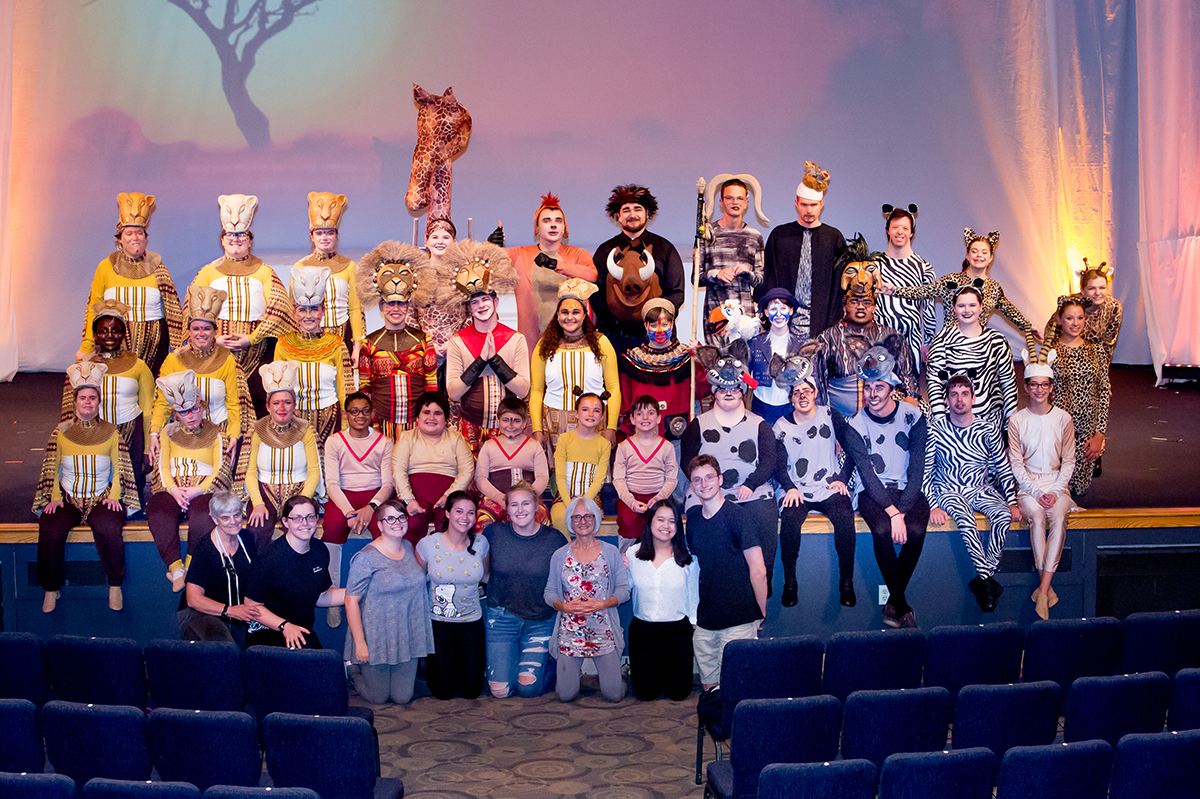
column 803, row 292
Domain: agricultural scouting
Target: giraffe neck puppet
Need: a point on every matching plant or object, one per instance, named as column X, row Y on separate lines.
column 443, row 127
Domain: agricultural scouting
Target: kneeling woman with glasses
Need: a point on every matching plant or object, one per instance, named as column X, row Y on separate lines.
column 289, row 579
column 387, row 608
column 213, row 606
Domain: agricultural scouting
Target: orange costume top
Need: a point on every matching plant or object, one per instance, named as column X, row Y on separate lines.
column 537, row 286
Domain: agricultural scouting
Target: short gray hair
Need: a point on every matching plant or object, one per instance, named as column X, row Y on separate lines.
column 588, row 504
column 224, row 502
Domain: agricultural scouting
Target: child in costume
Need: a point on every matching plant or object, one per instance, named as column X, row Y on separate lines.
column 506, row 459
column 580, row 458
column 645, row 470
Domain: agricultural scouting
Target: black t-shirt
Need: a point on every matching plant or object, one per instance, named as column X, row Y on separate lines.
column 212, row 573
column 520, row 567
column 726, row 594
column 289, row 583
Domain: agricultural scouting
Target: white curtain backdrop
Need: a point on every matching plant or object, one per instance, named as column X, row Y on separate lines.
column 1169, row 162
column 8, row 327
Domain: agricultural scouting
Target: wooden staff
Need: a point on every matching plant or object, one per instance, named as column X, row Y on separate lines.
column 701, row 237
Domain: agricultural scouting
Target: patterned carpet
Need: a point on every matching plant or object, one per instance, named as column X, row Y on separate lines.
column 540, row 748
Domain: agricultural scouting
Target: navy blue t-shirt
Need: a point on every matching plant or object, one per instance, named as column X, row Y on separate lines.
column 726, row 594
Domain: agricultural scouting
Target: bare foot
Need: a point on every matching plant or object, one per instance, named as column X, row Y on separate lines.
column 115, row 600
column 50, row 602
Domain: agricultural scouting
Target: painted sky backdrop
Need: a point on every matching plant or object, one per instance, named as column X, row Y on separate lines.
column 892, row 97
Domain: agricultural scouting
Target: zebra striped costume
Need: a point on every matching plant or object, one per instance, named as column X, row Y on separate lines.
column 966, row 471
column 914, row 318
column 986, row 360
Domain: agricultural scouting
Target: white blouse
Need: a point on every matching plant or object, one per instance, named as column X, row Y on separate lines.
column 667, row 593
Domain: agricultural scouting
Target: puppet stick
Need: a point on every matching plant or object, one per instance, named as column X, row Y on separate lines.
column 470, row 228
column 414, row 231
column 701, row 236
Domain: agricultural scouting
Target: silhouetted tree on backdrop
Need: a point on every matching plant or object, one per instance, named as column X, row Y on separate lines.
column 237, row 30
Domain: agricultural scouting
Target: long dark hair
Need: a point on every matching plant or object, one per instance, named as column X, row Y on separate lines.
column 552, row 337
column 461, row 496
column 646, row 542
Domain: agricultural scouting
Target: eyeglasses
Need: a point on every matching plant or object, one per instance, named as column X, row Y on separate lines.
column 585, row 519
column 359, row 412
column 307, row 519
column 393, row 520
column 237, row 236
column 1039, row 385
column 705, row 478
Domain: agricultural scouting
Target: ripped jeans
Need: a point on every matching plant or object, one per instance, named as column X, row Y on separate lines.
column 517, row 651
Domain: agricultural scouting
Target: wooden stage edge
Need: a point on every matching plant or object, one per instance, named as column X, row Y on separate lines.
column 1107, row 519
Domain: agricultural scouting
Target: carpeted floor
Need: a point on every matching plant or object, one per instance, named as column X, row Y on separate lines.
column 541, row 748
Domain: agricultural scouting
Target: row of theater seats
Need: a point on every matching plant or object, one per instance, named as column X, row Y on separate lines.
column 115, row 750
column 82, row 704
column 1161, row 766
column 57, row 786
column 1057, row 651
column 990, row 722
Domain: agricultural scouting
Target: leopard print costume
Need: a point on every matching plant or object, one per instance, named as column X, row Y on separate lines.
column 1081, row 389
column 994, row 301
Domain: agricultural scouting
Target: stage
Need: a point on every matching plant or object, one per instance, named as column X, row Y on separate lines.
column 1136, row 547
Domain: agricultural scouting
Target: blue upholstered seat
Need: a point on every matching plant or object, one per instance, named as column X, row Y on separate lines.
column 869, row 661
column 205, row 747
column 102, row 671
column 20, row 739
column 1058, row 771
column 769, row 668
column 88, row 741
column 195, row 675
column 973, row 654
column 1184, row 713
column 22, row 668
column 101, row 788
column 36, row 786
column 1000, row 717
column 334, row 756
column 839, row 779
column 239, row 792
column 1065, row 649
column 1105, row 708
column 1164, row 765
column 1165, row 642
column 305, row 681
column 881, row 723
column 958, row 774
column 766, row 731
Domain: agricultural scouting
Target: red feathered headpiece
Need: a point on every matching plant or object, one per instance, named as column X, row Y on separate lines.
column 549, row 200
column 632, row 193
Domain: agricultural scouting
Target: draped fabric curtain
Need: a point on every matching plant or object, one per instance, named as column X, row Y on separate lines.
column 8, row 326
column 1047, row 78
column 1169, row 129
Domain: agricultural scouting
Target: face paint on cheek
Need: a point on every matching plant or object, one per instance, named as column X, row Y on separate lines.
column 778, row 318
column 661, row 336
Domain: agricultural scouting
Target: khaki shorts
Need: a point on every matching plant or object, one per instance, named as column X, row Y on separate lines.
column 709, row 645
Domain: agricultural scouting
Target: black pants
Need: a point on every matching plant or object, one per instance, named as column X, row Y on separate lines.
column 660, row 659
column 457, row 666
column 197, row 626
column 840, row 512
column 764, row 520
column 897, row 569
column 53, row 529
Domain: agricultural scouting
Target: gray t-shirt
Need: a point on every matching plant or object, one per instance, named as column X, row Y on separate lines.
column 453, row 578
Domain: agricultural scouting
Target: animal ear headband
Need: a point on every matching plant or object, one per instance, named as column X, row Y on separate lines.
column 1038, row 365
column 1103, row 270
column 992, row 238
column 887, row 210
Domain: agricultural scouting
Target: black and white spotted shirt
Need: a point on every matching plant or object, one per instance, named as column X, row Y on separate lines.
column 889, row 452
column 806, row 457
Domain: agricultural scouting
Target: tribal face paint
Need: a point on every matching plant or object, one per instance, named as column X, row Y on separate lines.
column 658, row 331
column 779, row 313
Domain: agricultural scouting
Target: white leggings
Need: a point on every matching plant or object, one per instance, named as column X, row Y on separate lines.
column 1046, row 547
column 607, row 666
column 378, row 684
